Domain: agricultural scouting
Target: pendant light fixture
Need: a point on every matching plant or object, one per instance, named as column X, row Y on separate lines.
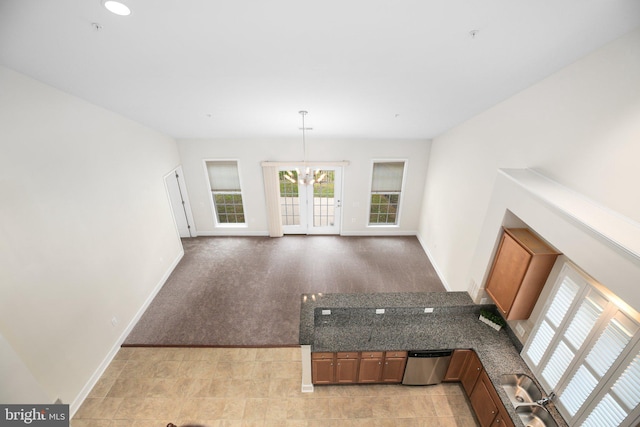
column 307, row 178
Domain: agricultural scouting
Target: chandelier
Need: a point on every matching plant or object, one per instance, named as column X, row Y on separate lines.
column 307, row 177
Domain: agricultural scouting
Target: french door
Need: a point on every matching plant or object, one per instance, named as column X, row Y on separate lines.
column 310, row 200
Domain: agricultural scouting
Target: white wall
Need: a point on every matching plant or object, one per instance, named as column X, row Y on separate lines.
column 86, row 232
column 356, row 177
column 580, row 126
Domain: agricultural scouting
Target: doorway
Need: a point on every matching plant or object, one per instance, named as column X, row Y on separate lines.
column 180, row 207
column 310, row 200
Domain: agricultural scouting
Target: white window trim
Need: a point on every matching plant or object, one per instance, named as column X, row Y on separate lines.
column 402, row 192
column 212, row 205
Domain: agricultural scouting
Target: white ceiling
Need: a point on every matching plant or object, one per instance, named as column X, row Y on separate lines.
column 362, row 68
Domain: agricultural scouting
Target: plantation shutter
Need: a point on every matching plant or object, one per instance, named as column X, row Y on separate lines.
column 612, row 341
column 552, row 319
column 621, row 400
column 574, row 337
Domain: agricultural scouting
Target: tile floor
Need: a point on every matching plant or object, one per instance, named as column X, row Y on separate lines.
column 212, row 387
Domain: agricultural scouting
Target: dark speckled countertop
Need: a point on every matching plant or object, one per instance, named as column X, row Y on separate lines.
column 353, row 325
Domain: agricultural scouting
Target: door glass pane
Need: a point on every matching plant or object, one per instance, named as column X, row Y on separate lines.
column 323, row 198
column 289, row 200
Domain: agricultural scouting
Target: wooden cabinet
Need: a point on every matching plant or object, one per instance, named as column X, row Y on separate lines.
column 322, row 368
column 471, row 373
column 482, row 402
column 354, row 367
column 520, row 269
column 370, row 367
column 502, row 419
column 487, row 404
column 457, row 365
column 393, row 367
column 346, row 368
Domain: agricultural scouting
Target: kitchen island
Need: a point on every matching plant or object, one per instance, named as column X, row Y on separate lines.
column 348, row 322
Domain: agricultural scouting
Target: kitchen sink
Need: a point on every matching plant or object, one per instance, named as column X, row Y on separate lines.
column 535, row 416
column 520, row 388
column 524, row 395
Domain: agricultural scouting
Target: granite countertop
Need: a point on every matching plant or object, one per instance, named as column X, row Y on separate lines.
column 353, row 325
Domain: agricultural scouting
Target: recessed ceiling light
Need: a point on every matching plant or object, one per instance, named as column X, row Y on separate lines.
column 117, row 7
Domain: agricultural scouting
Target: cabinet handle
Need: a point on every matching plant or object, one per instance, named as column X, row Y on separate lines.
column 493, row 412
column 477, row 369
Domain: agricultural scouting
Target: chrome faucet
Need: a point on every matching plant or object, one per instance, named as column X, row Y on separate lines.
column 545, row 400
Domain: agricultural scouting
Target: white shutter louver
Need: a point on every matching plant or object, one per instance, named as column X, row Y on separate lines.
column 540, row 342
column 623, row 397
column 562, row 301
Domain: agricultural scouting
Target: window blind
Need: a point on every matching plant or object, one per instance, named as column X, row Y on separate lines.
column 223, row 175
column 387, row 177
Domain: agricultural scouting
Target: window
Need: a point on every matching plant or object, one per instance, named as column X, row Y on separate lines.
column 582, row 348
column 225, row 191
column 386, row 188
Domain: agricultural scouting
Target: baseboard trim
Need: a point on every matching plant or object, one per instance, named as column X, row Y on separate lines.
column 379, row 233
column 233, row 232
column 77, row 402
column 433, row 262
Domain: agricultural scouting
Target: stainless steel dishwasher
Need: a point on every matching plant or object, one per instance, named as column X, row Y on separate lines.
column 426, row 367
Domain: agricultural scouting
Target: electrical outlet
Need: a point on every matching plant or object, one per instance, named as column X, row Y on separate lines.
column 520, row 330
column 484, row 301
column 114, row 321
column 428, row 310
column 326, row 312
column 379, row 310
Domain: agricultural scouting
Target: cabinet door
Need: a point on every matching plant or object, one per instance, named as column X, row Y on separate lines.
column 370, row 370
column 507, row 273
column 482, row 403
column 457, row 365
column 393, row 366
column 471, row 373
column 322, row 371
column 346, row 370
column 502, row 419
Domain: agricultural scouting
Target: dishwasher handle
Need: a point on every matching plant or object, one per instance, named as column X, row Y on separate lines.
column 430, row 353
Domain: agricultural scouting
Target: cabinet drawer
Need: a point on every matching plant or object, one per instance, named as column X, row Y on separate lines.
column 321, row 355
column 347, row 355
column 395, row 354
column 371, row 354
